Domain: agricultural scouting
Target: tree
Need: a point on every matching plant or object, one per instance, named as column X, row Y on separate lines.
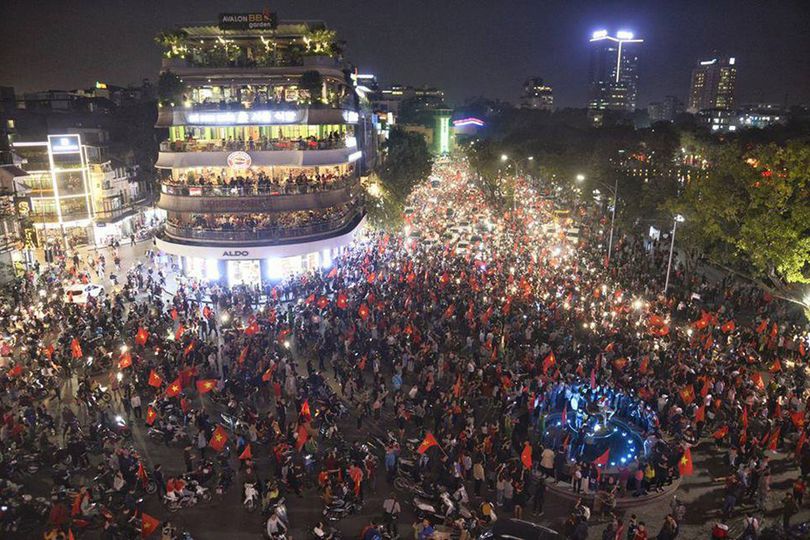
column 312, row 82
column 170, row 88
column 407, row 162
column 751, row 211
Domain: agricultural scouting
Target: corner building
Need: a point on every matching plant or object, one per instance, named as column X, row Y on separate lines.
column 267, row 137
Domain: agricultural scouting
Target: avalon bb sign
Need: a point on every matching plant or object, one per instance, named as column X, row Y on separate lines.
column 266, row 20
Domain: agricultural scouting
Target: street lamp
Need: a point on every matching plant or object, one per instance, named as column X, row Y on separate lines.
column 615, row 190
column 580, row 178
column 677, row 219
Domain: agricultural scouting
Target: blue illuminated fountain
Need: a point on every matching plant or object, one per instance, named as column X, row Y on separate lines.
column 592, row 431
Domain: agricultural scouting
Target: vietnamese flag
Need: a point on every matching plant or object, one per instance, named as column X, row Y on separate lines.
column 173, row 313
column 305, row 412
column 148, row 524
column 310, row 299
column 728, row 327
column 141, row 336
column 687, row 394
column 700, row 414
column 602, row 460
column 776, row 367
column 174, row 389
column 49, row 350
column 322, row 302
column 429, row 442
column 797, row 417
column 185, row 406
column 206, row 385
column 267, row 375
column 526, row 455
column 774, row 439
column 75, row 348
column 218, row 439
column 549, row 361
column 685, row 466
column 179, row 333
column 16, row 371
column 246, row 454
column 763, row 325
column 154, row 379
column 756, row 378
column 707, row 387
column 303, row 437
column 370, row 278
column 151, row 415
column 363, row 312
column 253, row 328
column 332, row 273
column 449, row 311
column 125, row 361
column 243, row 354
column 619, row 363
column 645, row 362
column 744, row 418
column 342, row 301
column 774, row 330
column 721, row 432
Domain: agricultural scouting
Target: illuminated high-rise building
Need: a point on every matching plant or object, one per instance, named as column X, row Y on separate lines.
column 713, row 84
column 613, row 72
column 537, row 95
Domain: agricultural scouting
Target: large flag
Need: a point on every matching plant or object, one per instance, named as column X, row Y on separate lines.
column 75, row 348
column 526, row 455
column 206, row 385
column 148, row 524
column 797, row 417
column 322, row 302
column 303, row 437
column 174, row 389
column 429, row 442
column 729, row 326
column 332, row 273
column 720, row 433
column 151, row 415
column 700, row 414
column 179, row 332
column 685, row 466
column 776, row 367
column 687, row 394
column 141, row 336
column 756, row 378
column 154, row 379
column 218, row 439
column 362, row 311
column 342, row 301
column 252, row 329
column 125, row 361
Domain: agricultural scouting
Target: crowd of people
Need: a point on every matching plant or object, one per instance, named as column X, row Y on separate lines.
column 258, row 183
column 249, row 144
column 431, row 369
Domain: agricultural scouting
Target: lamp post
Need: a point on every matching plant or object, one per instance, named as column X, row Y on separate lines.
column 505, row 158
column 678, row 219
column 615, row 190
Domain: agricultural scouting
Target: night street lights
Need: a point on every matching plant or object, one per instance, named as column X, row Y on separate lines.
column 505, row 158
column 677, row 219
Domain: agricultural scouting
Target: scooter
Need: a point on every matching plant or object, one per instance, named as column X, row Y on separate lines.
column 251, row 496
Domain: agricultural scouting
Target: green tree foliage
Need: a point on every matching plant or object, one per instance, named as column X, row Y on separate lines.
column 170, row 88
column 407, row 162
column 752, row 211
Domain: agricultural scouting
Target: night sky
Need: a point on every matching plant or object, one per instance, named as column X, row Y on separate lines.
column 466, row 47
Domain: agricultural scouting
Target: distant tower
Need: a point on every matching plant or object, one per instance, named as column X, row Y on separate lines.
column 537, row 95
column 613, row 72
column 713, row 84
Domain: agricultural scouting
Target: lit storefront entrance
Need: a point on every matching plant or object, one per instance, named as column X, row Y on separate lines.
column 244, row 272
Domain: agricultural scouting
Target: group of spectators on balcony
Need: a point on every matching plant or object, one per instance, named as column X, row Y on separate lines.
column 261, row 183
column 279, row 221
column 190, row 144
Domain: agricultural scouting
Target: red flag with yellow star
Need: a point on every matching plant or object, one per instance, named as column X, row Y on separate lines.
column 219, row 439
column 685, row 466
column 174, row 389
column 206, row 385
column 151, row 415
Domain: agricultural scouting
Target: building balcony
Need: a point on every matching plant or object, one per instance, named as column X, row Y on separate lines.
column 267, row 236
column 222, row 145
column 236, row 114
column 259, row 158
column 286, row 64
column 252, row 199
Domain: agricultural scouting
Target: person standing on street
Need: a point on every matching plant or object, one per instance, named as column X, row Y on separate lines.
column 391, row 510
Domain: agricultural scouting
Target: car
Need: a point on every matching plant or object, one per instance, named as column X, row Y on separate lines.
column 80, row 293
column 517, row 529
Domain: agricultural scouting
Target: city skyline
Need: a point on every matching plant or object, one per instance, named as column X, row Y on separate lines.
column 484, row 49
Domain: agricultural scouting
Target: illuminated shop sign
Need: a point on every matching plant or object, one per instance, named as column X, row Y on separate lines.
column 351, row 117
column 246, row 117
column 64, row 144
column 239, row 160
column 265, row 20
column 471, row 121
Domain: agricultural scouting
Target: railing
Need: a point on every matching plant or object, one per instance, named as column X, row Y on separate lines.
column 254, row 190
column 221, row 145
column 271, row 233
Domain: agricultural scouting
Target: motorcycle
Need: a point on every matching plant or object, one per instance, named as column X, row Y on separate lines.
column 340, row 508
